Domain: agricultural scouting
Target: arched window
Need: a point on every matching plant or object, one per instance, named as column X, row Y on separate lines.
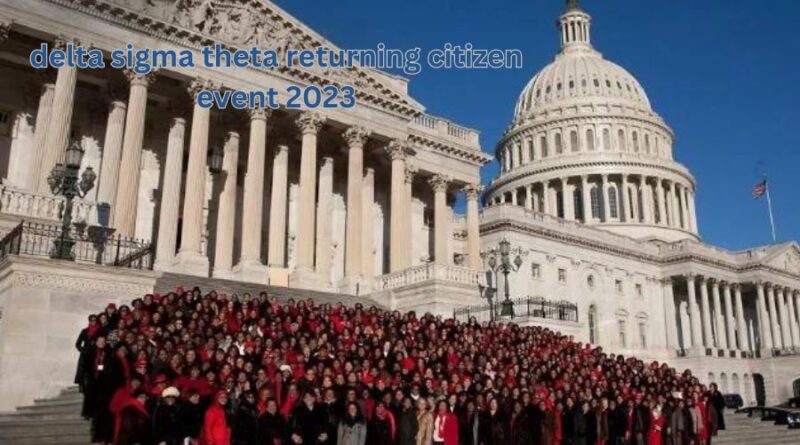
column 735, row 384
column 612, row 201
column 531, row 151
column 573, row 140
column 647, row 143
column 621, row 140
column 559, row 145
column 577, row 199
column 590, row 139
column 592, row 324
column 723, row 383
column 606, row 139
column 543, row 145
column 596, row 202
column 635, row 137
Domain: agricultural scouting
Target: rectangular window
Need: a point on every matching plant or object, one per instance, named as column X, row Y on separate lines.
column 638, row 289
column 618, row 286
column 621, row 324
column 562, row 275
column 536, row 271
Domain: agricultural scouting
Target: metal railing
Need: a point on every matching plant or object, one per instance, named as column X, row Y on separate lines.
column 93, row 245
column 531, row 307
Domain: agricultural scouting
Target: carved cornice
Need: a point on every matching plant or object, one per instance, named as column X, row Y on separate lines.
column 473, row 156
column 237, row 24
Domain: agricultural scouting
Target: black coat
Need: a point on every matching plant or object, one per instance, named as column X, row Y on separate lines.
column 579, row 427
column 167, row 424
column 493, row 430
column 379, row 432
column 245, row 425
column 719, row 405
column 407, row 427
column 134, row 427
column 521, row 432
column 271, row 427
column 308, row 424
column 192, row 419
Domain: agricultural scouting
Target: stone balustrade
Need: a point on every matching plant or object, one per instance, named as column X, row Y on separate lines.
column 28, row 204
column 428, row 272
column 445, row 129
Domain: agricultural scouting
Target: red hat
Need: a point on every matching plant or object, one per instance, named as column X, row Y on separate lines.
column 161, row 378
column 111, row 306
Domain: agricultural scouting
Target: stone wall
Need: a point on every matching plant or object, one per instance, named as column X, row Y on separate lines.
column 44, row 305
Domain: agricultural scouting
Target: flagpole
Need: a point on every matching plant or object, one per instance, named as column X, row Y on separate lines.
column 771, row 218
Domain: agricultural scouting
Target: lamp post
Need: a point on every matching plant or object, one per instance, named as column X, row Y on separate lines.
column 506, row 266
column 64, row 181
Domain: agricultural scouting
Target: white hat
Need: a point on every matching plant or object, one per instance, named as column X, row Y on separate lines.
column 285, row 368
column 171, row 392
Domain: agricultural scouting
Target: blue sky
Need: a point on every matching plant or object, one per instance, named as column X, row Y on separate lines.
column 723, row 74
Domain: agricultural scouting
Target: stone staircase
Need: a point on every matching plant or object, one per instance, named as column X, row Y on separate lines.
column 47, row 421
column 169, row 281
column 743, row 430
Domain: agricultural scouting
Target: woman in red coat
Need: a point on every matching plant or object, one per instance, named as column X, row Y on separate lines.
column 656, row 426
column 215, row 426
column 445, row 425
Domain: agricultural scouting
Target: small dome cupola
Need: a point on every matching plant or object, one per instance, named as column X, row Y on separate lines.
column 575, row 25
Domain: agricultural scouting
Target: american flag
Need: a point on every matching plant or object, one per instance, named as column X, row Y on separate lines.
column 760, row 189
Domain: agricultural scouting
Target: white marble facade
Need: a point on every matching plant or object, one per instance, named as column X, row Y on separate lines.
column 605, row 217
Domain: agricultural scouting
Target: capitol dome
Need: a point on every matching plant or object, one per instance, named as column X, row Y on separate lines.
column 586, row 145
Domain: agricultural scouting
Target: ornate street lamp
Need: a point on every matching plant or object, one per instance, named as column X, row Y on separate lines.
column 506, row 266
column 63, row 180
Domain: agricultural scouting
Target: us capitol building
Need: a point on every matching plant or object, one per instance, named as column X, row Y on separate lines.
column 599, row 219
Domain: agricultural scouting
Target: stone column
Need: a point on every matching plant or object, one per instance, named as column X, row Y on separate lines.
column 226, row 213
column 684, row 214
column 112, row 153
column 127, row 194
column 627, row 211
column 765, row 325
column 191, row 259
column 368, row 225
column 675, row 222
column 276, row 256
column 535, row 197
column 398, row 215
column 514, row 197
column 567, row 199
column 60, row 123
column 441, row 227
column 692, row 212
column 708, row 340
column 408, row 205
column 647, row 200
column 662, row 208
column 604, row 206
column 473, row 192
column 719, row 321
column 741, row 326
column 730, row 322
column 529, row 196
column 546, row 197
column 775, row 323
column 250, row 267
column 40, row 132
column 310, row 124
column 587, row 199
column 324, row 227
column 793, row 318
column 694, row 311
column 355, row 137
column 170, row 196
column 669, row 311
column 786, row 330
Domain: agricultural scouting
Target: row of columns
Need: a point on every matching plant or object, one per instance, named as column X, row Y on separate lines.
column 119, row 184
column 638, row 198
column 722, row 326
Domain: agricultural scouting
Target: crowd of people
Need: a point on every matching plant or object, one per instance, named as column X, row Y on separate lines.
column 215, row 369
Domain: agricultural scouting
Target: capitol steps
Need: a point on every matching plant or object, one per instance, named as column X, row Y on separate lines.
column 743, row 430
column 169, row 281
column 47, row 421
